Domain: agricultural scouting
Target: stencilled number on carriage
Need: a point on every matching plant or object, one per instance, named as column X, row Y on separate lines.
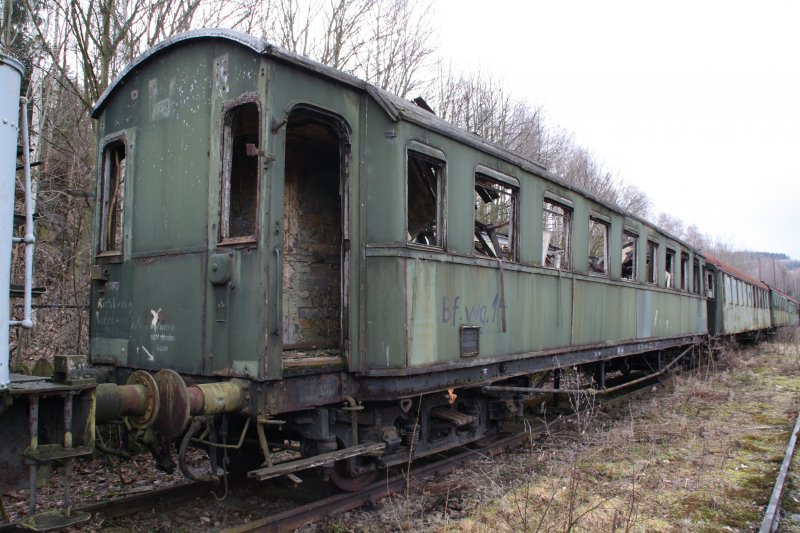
column 456, row 311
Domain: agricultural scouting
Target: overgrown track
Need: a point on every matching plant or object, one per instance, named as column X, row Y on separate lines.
column 772, row 514
column 304, row 514
column 340, row 503
column 133, row 503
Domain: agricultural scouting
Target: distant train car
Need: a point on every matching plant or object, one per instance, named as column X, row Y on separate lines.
column 783, row 309
column 738, row 304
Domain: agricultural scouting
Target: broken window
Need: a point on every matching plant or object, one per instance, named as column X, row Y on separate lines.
column 240, row 172
column 112, row 193
column 425, row 193
column 652, row 257
column 669, row 276
column 630, row 247
column 684, row 271
column 696, row 277
column 557, row 236
column 598, row 246
column 709, row 283
column 495, row 218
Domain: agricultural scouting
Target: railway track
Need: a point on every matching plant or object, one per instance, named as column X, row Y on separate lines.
column 338, row 503
column 132, row 503
column 773, row 512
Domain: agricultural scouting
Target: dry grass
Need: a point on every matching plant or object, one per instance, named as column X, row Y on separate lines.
column 701, row 456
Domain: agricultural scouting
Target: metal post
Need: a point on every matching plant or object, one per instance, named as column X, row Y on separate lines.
column 29, row 238
column 10, row 79
column 602, row 375
column 67, row 445
column 33, row 422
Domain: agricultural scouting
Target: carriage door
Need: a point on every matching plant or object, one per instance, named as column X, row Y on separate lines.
column 315, row 256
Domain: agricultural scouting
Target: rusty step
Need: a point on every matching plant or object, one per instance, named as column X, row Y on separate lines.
column 56, row 452
column 317, row 460
column 55, row 520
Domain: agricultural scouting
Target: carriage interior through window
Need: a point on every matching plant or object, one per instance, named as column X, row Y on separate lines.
column 630, row 247
column 684, row 271
column 598, row 246
column 652, row 257
column 556, row 235
column 112, row 191
column 425, row 193
column 696, row 288
column 495, row 218
column 669, row 275
column 240, row 172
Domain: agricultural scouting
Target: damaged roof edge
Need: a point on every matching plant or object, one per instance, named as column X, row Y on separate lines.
column 395, row 107
column 259, row 46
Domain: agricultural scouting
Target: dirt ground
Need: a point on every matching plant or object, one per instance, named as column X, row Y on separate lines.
column 698, row 454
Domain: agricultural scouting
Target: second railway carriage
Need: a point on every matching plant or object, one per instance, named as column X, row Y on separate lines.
column 783, row 308
column 738, row 304
column 356, row 266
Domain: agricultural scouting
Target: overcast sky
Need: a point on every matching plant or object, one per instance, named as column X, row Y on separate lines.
column 695, row 102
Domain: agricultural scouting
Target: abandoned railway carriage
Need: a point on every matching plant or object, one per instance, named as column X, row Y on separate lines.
column 739, row 306
column 333, row 264
column 784, row 309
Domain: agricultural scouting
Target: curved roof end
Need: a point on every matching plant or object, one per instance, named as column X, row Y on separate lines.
column 257, row 45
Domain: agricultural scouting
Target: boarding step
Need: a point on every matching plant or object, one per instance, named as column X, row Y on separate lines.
column 457, row 418
column 55, row 520
column 317, row 460
column 56, row 452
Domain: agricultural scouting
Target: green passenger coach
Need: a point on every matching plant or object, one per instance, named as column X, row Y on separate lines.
column 331, row 249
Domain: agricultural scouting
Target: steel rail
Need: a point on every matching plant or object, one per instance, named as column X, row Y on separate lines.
column 131, row 503
column 772, row 514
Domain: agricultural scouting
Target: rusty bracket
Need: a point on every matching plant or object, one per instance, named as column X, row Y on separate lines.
column 354, row 407
column 276, row 125
column 253, row 151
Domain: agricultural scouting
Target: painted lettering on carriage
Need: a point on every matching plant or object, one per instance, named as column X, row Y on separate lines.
column 457, row 310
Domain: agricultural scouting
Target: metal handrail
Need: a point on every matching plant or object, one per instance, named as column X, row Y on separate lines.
column 29, row 239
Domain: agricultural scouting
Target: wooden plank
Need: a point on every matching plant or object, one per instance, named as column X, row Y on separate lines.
column 318, row 460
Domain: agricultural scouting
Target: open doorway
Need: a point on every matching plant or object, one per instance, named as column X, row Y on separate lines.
column 314, row 296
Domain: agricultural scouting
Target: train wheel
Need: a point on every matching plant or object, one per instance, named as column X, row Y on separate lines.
column 342, row 480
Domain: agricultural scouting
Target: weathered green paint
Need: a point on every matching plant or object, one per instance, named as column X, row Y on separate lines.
column 405, row 302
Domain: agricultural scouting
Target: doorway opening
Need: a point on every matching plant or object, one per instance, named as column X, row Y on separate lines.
column 314, row 258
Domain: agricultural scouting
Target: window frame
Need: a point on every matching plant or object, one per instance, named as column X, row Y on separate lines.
column 669, row 268
column 493, row 177
column 634, row 257
column 565, row 264
column 103, row 248
column 430, row 155
column 651, row 271
column 684, row 272
column 697, row 277
column 595, row 220
column 227, row 161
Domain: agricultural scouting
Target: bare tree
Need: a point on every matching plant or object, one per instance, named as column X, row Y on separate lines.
column 399, row 42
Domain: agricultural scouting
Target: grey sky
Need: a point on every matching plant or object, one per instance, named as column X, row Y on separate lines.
column 696, row 102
